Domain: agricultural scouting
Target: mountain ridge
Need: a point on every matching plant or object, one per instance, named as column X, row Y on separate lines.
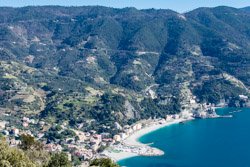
column 124, row 65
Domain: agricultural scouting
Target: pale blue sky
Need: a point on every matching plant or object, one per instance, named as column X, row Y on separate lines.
column 178, row 5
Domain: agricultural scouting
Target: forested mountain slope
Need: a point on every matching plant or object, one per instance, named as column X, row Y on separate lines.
column 98, row 65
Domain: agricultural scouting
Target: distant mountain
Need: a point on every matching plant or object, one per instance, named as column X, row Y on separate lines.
column 78, row 64
column 247, row 9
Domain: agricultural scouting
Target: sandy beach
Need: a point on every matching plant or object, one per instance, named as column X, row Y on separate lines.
column 132, row 140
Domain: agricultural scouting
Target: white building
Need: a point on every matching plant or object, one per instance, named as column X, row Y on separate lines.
column 192, row 101
column 186, row 114
column 117, row 138
column 41, row 123
column 137, row 126
column 169, row 118
column 129, row 131
column 25, row 119
column 243, row 97
column 2, row 125
column 123, row 135
column 25, row 124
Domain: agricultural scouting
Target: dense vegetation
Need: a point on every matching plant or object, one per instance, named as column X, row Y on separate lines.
column 92, row 66
column 103, row 162
column 30, row 153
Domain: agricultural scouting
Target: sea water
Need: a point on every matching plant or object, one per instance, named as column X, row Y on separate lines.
column 221, row 142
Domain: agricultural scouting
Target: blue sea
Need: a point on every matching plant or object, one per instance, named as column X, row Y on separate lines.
column 222, row 142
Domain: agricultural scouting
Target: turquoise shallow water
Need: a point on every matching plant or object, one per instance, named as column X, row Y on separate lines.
column 223, row 142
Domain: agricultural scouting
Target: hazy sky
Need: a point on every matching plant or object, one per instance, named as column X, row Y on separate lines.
column 178, row 5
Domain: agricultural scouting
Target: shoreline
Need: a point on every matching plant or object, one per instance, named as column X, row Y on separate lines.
column 132, row 140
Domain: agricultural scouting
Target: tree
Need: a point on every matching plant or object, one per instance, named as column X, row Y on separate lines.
column 101, row 148
column 103, row 162
column 28, row 142
column 5, row 163
column 40, row 157
column 1, row 136
column 13, row 157
column 59, row 160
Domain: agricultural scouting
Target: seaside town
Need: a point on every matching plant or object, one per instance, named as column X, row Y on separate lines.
column 129, row 84
column 90, row 145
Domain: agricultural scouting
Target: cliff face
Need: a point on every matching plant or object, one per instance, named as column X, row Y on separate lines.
column 105, row 64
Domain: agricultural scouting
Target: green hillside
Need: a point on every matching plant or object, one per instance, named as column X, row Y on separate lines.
column 97, row 65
